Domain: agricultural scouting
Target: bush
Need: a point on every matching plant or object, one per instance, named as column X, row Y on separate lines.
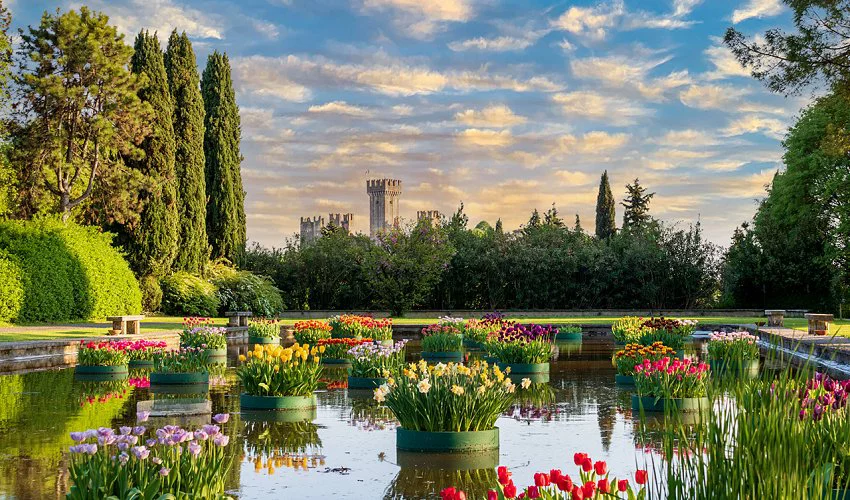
column 69, row 271
column 246, row 291
column 11, row 288
column 151, row 293
column 185, row 294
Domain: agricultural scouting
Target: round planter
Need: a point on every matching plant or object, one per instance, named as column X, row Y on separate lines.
column 261, row 340
column 748, row 367
column 455, row 442
column 443, row 357
column 472, row 344
column 216, row 353
column 649, row 404
column 569, row 336
column 277, row 403
column 840, row 494
column 624, row 379
column 487, row 459
column 335, row 361
column 141, row 363
column 365, row 382
column 525, row 368
column 180, row 378
column 288, row 416
column 102, row 370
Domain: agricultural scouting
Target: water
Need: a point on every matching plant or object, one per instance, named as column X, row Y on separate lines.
column 349, row 445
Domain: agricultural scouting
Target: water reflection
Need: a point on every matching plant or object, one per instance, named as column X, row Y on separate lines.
column 423, row 475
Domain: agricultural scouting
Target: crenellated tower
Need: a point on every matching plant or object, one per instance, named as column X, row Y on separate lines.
column 384, row 197
column 311, row 229
column 341, row 220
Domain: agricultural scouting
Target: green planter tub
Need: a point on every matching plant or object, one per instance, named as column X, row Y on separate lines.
column 335, row 361
column 443, row 357
column 261, row 340
column 455, row 442
column 365, row 382
column 569, row 336
column 649, row 404
column 839, row 494
column 472, row 344
column 747, row 368
column 288, row 416
column 277, row 403
column 141, row 363
column 487, row 459
column 102, row 370
column 217, row 353
column 525, row 368
column 624, row 379
column 194, row 378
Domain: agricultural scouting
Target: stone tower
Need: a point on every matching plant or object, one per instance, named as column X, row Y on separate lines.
column 311, row 229
column 341, row 220
column 384, row 197
column 432, row 215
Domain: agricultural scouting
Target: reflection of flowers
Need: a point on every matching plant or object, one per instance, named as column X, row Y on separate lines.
column 140, row 382
column 367, row 416
column 533, row 402
column 270, row 445
column 101, row 392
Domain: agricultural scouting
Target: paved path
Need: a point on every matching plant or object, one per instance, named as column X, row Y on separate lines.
column 824, row 346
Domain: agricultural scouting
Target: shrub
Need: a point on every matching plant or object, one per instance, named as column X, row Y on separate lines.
column 245, row 291
column 185, row 294
column 11, row 288
column 151, row 293
column 69, row 271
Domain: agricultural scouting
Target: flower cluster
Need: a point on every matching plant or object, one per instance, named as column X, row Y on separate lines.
column 636, row 354
column 517, row 343
column 200, row 332
column 272, row 370
column 143, row 350
column 671, row 378
column 338, row 348
column 311, row 331
column 264, row 328
column 628, row 329
column 355, row 326
column 593, row 482
column 821, row 395
column 184, row 360
column 494, row 317
column 376, row 361
column 449, row 320
column 441, row 338
column 450, row 397
column 101, row 354
column 671, row 332
column 481, row 330
column 734, row 346
column 172, row 461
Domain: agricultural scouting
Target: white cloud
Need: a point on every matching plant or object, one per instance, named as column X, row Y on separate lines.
column 479, row 137
column 421, row 19
column 724, row 165
column 724, row 62
column 595, row 142
column 574, row 178
column 684, row 7
column 629, row 72
column 613, row 110
column 592, row 22
column 496, row 116
column 725, row 98
column 754, row 124
column 757, row 8
column 161, row 16
column 566, row 46
column 403, row 110
column 687, row 138
column 339, row 108
column 498, row 44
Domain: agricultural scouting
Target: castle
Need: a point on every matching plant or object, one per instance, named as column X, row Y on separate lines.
column 311, row 229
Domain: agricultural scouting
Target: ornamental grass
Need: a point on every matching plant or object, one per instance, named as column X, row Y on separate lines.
column 735, row 346
column 130, row 463
column 101, row 354
column 377, row 361
column 635, row 354
column 338, row 348
column 441, row 338
column 447, row 398
column 200, row 332
column 522, row 344
column 671, row 378
column 264, row 328
column 312, row 331
column 273, row 370
column 183, row 360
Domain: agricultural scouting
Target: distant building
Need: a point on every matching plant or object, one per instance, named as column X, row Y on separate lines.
column 432, row 215
column 341, row 220
column 311, row 229
column 384, row 197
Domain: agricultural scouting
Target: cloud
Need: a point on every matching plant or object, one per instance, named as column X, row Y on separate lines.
column 161, row 16
column 757, row 8
column 724, row 165
column 574, row 178
column 479, row 137
column 339, row 108
column 724, row 62
column 595, row 142
column 496, row 116
column 498, row 44
column 421, row 19
column 753, row 124
column 628, row 72
column 595, row 106
column 591, row 22
column 402, row 110
column 725, row 98
column 687, row 138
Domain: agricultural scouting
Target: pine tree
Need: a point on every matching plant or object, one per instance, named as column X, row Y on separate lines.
column 534, row 221
column 606, row 224
column 499, row 229
column 225, row 197
column 189, row 157
column 636, row 216
column 154, row 242
column 551, row 218
column 577, row 228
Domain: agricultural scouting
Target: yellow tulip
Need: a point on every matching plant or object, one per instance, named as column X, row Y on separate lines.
column 242, row 357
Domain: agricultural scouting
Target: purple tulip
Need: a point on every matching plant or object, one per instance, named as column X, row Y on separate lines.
column 141, row 452
column 221, row 418
column 78, row 436
column 142, row 416
column 194, row 449
column 164, row 472
column 221, row 440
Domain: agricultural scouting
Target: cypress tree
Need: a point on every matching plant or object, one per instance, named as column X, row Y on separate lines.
column 225, row 198
column 188, row 118
column 154, row 241
column 577, row 227
column 606, row 224
column 636, row 215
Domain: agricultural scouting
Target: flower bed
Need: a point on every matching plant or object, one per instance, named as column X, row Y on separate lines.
column 310, row 332
column 670, row 381
column 477, row 331
column 101, row 354
column 355, row 326
column 200, row 333
column 442, row 341
column 521, row 346
column 733, row 352
column 274, row 377
column 636, row 354
column 373, row 364
column 141, row 352
column 628, row 329
column 822, row 395
column 187, row 365
column 337, row 350
column 670, row 332
column 123, row 463
column 261, row 331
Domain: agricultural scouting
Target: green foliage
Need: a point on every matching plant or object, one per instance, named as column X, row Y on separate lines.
column 183, row 360
column 69, row 271
column 153, row 244
column 183, row 81
column 264, row 328
column 442, row 342
column 151, row 293
column 185, row 294
column 11, row 288
column 520, row 351
column 246, row 291
column 606, row 224
column 636, row 216
column 226, row 199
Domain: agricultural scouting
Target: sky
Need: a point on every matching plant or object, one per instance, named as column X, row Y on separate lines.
column 505, row 106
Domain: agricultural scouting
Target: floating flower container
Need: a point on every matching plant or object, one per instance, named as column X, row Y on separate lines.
column 840, row 494
column 216, row 353
column 455, row 442
column 487, row 459
column 261, row 340
column 289, row 416
column 525, row 368
column 649, row 404
column 624, row 379
column 443, row 357
column 141, row 363
column 277, row 403
column 747, row 368
column 102, row 370
column 195, row 378
column 568, row 336
column 335, row 361
column 365, row 382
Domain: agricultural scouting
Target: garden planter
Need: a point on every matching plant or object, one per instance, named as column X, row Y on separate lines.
column 365, row 382
column 141, row 363
column 487, row 459
column 180, row 378
column 840, row 494
column 277, row 403
column 217, row 353
column 571, row 336
column 624, row 379
column 335, row 361
column 455, row 442
column 747, row 368
column 261, row 340
column 288, row 416
column 472, row 344
column 102, row 370
column 443, row 357
column 649, row 404
column 525, row 368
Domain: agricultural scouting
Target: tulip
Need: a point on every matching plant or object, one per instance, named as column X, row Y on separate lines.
column 565, row 483
column 541, row 479
column 533, row 492
column 640, row 476
column 604, row 486
column 587, row 465
column 509, row 490
column 623, row 485
column 589, row 489
column 601, row 468
column 492, row 495
column 577, row 493
column 579, row 458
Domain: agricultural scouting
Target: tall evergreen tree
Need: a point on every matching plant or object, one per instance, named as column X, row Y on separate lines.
column 225, row 197
column 154, row 241
column 499, row 229
column 188, row 121
column 577, row 227
column 606, row 224
column 636, row 215
column 551, row 217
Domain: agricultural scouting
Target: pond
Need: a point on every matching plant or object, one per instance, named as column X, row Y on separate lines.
column 346, row 451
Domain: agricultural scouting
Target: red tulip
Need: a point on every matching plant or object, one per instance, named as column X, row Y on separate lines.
column 533, row 492
column 565, row 483
column 577, row 494
column 448, row 493
column 578, row 458
column 504, row 475
column 589, row 489
column 509, row 490
column 604, row 486
column 640, row 476
column 587, row 465
column 555, row 475
column 541, row 479
column 601, row 468
column 623, row 484
column 492, row 495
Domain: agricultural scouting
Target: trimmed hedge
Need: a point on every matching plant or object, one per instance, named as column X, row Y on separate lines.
column 11, row 288
column 69, row 271
column 246, row 291
column 185, row 294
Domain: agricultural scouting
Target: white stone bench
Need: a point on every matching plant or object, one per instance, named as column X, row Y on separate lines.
column 128, row 325
column 237, row 318
column 819, row 323
column 775, row 317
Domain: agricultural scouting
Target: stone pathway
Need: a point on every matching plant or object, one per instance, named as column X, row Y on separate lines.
column 824, row 346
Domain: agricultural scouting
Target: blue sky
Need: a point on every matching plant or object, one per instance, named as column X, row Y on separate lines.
column 504, row 105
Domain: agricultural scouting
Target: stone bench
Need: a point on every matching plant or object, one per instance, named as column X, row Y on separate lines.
column 237, row 318
column 819, row 323
column 775, row 317
column 125, row 325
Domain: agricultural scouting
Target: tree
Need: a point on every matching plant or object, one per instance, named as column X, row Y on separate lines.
column 577, row 227
column 78, row 104
column 551, row 218
column 7, row 173
column 818, row 51
column 226, row 199
column 534, row 221
column 636, row 216
column 188, row 119
column 499, row 229
column 606, row 224
column 153, row 245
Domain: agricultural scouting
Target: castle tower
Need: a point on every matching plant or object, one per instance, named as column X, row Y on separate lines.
column 432, row 215
column 341, row 220
column 311, row 229
column 384, row 195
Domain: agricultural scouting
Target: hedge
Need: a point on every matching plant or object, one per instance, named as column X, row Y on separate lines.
column 246, row 291
column 185, row 294
column 68, row 271
column 11, row 287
